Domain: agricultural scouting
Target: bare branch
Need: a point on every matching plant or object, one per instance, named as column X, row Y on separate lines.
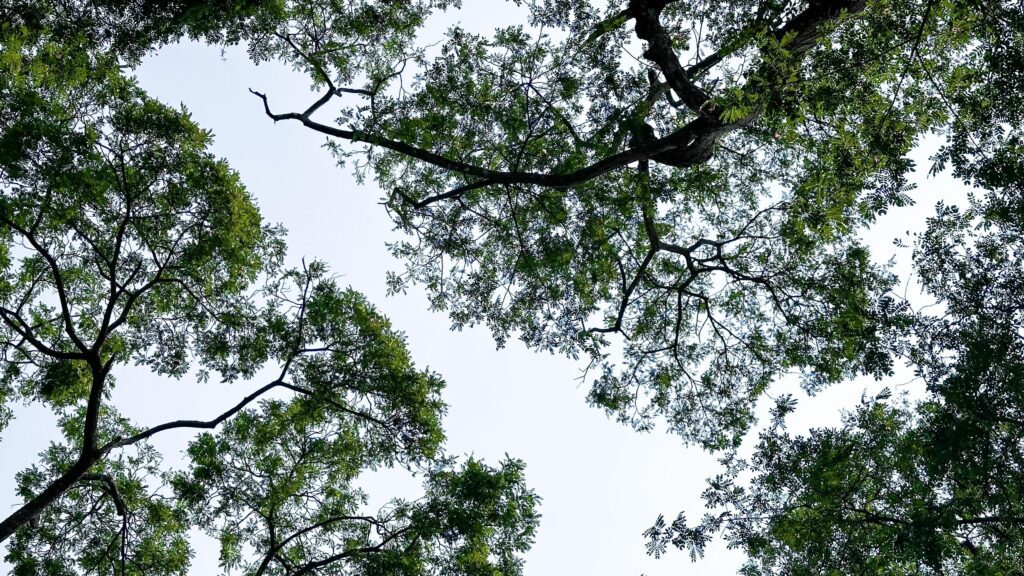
column 273, row 552
column 200, row 424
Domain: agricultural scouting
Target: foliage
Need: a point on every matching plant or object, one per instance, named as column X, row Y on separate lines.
column 125, row 240
column 128, row 29
column 674, row 191
column 925, row 487
column 115, row 520
column 930, row 485
column 688, row 220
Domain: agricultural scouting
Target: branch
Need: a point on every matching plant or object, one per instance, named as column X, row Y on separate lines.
column 18, row 324
column 58, row 281
column 311, row 566
column 709, row 62
column 655, row 246
column 277, row 548
column 689, row 145
column 92, row 409
column 33, row 507
column 111, row 490
column 807, row 25
column 122, row 510
column 659, row 50
column 673, row 142
column 627, row 294
column 115, row 292
column 340, row 407
column 1018, row 520
column 453, row 193
column 202, row 424
column 301, row 323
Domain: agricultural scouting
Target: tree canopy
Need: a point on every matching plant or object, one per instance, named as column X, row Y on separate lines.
column 926, row 486
column 675, row 191
column 125, row 240
column 693, row 179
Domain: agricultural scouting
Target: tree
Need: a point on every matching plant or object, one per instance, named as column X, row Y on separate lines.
column 687, row 218
column 930, row 486
column 125, row 240
column 704, row 201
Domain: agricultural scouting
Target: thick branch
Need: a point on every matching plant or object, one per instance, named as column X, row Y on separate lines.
column 806, row 26
column 680, row 139
column 92, row 409
column 201, row 424
column 659, row 50
column 33, row 507
column 690, row 145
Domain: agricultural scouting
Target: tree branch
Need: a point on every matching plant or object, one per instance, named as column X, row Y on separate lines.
column 647, row 14
column 18, row 324
column 681, row 138
column 202, row 424
column 111, row 490
column 272, row 553
column 311, row 566
column 58, row 281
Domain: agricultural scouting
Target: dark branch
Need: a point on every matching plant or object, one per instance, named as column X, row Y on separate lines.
column 273, row 552
column 201, row 424
column 22, row 328
column 659, row 50
column 110, row 489
column 690, row 145
column 312, row 566
column 58, row 282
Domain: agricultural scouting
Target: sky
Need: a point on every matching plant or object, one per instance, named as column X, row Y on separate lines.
column 602, row 483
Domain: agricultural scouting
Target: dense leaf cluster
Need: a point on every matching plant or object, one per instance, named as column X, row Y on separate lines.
column 125, row 240
column 673, row 190
column 928, row 486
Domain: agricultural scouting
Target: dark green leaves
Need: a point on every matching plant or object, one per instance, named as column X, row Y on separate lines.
column 281, row 481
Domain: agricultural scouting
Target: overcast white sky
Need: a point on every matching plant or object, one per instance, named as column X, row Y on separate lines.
column 602, row 484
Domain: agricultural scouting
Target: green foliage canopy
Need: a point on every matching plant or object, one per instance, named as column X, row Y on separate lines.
column 125, row 240
column 930, row 486
column 676, row 191
column 673, row 190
